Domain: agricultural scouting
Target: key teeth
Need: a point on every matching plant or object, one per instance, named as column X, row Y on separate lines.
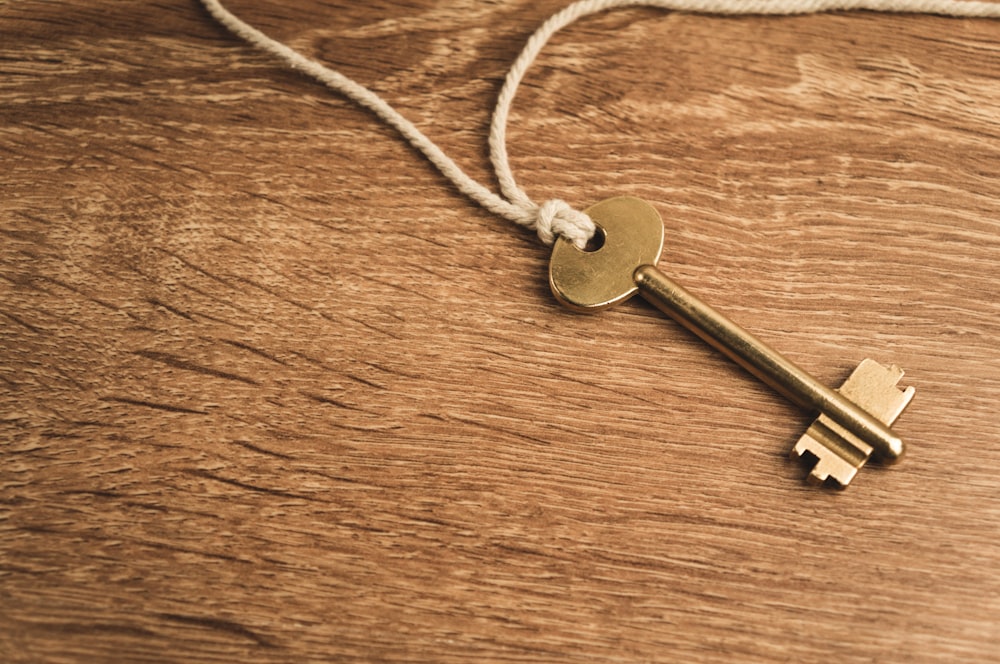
column 825, row 468
column 838, row 454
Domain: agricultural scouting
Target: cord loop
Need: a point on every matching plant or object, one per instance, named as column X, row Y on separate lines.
column 556, row 218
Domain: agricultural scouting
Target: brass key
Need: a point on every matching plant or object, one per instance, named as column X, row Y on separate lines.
column 625, row 264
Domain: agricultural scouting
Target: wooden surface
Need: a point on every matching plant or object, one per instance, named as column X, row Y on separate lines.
column 272, row 391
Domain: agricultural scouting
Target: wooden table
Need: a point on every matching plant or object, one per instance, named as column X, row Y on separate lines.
column 273, row 391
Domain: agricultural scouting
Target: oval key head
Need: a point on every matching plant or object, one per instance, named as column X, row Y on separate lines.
column 593, row 280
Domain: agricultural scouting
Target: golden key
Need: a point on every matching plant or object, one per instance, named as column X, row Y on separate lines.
column 852, row 422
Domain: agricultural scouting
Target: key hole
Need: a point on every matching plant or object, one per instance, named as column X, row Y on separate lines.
column 596, row 242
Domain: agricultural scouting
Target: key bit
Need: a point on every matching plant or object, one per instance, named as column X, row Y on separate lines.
column 625, row 264
column 837, row 453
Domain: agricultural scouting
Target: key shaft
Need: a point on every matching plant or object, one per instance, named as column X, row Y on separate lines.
column 762, row 361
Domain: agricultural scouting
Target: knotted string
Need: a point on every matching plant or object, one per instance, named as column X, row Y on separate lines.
column 555, row 218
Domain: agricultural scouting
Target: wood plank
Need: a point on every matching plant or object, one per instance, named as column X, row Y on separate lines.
column 272, row 390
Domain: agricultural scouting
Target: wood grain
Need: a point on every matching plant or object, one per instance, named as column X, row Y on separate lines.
column 271, row 390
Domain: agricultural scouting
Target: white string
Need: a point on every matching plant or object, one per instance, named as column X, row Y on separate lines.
column 555, row 217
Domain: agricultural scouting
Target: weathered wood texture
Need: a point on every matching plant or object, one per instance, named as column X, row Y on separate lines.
column 273, row 391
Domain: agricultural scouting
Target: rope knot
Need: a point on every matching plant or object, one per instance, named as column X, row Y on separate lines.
column 555, row 217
